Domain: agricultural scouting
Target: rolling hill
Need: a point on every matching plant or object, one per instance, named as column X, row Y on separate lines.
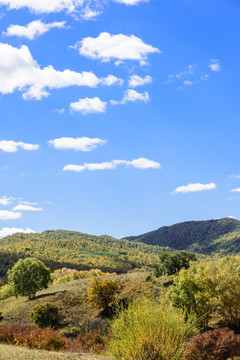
column 220, row 236
column 76, row 250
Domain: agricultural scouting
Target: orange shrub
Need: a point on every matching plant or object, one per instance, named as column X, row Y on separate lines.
column 218, row 344
column 32, row 337
column 91, row 342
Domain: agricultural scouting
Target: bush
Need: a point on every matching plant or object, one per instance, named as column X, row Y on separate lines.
column 91, row 342
column 210, row 289
column 6, row 291
column 149, row 331
column 218, row 344
column 30, row 336
column 101, row 293
column 45, row 315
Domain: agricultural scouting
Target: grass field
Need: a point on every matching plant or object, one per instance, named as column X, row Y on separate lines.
column 8, row 352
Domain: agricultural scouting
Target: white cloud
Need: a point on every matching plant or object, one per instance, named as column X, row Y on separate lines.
column 112, row 80
column 235, row 190
column 22, row 207
column 89, row 106
column 10, row 231
column 9, row 215
column 141, row 163
column 132, row 96
column 130, row 2
column 187, row 82
column 28, row 203
column 33, row 29
column 194, row 188
column 119, row 47
column 59, row 111
column 136, row 80
column 235, row 176
column 6, row 200
column 19, row 71
column 77, row 144
column 86, row 9
column 13, row 146
column 215, row 65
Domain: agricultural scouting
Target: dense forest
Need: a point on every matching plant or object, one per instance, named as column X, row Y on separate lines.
column 207, row 237
column 76, row 250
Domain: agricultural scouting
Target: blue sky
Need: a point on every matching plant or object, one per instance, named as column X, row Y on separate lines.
column 118, row 117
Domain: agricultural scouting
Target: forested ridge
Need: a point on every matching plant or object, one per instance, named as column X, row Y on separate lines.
column 220, row 236
column 76, row 250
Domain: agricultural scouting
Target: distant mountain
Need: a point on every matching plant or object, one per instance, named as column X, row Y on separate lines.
column 220, row 236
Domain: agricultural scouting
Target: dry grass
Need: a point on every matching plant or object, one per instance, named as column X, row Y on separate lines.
column 8, row 352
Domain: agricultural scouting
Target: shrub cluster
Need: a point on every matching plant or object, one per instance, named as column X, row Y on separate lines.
column 30, row 336
column 91, row 342
column 101, row 293
column 149, row 331
column 45, row 315
column 64, row 275
column 218, row 344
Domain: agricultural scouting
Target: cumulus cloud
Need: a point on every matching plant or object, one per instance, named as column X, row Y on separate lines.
column 33, row 29
column 9, row 215
column 214, row 65
column 194, row 188
column 136, row 80
column 77, row 144
column 59, row 111
column 10, row 231
column 13, row 146
column 89, row 106
column 132, row 96
column 19, row 71
column 112, row 80
column 22, row 207
column 107, row 47
column 235, row 190
column 141, row 163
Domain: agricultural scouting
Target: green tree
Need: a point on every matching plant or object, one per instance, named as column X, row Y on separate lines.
column 28, row 276
column 170, row 263
column 210, row 288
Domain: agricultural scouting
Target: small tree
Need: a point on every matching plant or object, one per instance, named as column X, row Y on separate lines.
column 172, row 262
column 28, row 276
column 45, row 315
column 102, row 292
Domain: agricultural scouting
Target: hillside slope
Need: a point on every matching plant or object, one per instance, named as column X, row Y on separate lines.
column 208, row 237
column 76, row 250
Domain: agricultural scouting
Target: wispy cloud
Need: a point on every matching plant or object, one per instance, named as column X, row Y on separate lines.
column 33, row 30
column 195, row 187
column 214, row 65
column 107, row 47
column 235, row 190
column 136, row 80
column 22, row 207
column 77, row 144
column 13, row 146
column 141, row 163
column 131, row 95
column 6, row 200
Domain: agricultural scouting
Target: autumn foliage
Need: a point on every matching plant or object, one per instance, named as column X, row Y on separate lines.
column 218, row 344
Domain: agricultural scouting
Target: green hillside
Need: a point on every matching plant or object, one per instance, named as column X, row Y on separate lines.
column 76, row 250
column 208, row 237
